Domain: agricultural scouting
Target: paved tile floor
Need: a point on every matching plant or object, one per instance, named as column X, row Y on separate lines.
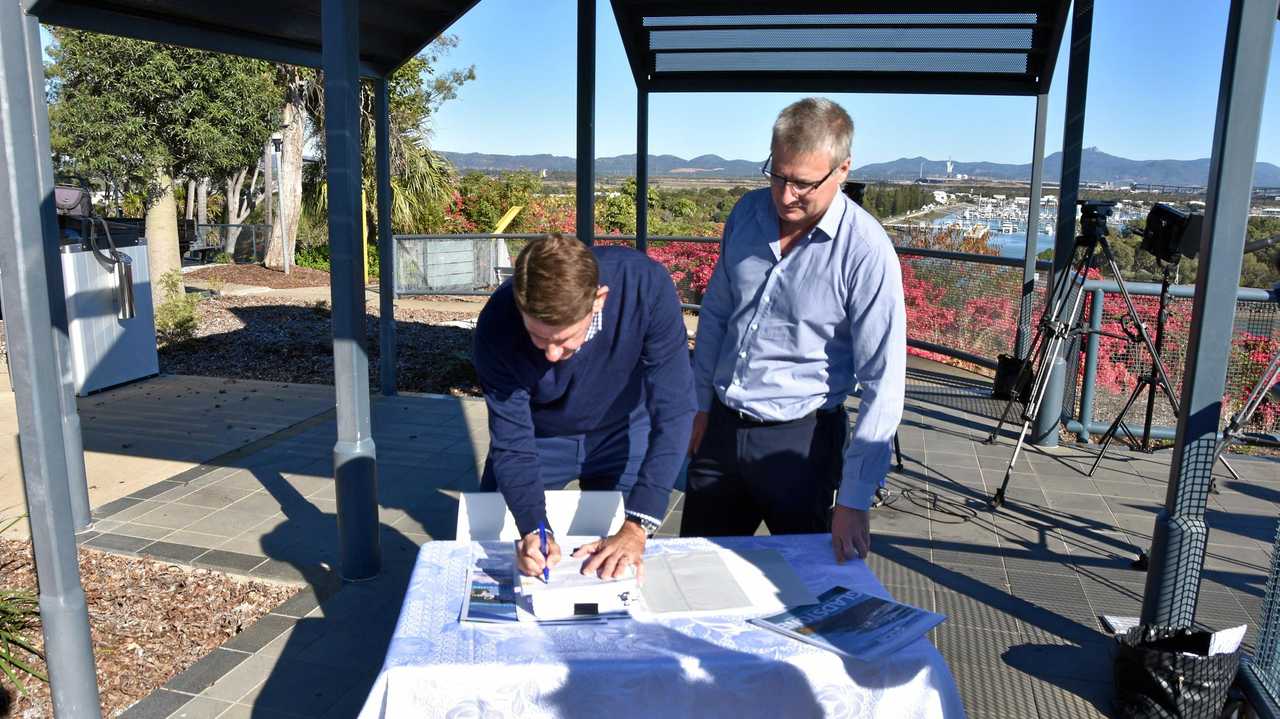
column 1022, row 587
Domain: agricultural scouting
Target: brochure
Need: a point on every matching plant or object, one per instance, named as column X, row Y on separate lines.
column 853, row 624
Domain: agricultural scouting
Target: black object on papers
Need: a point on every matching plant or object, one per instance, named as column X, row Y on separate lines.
column 853, row 624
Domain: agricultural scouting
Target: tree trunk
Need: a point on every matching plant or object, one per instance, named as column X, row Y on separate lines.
column 284, row 233
column 163, row 254
column 238, row 206
column 191, row 200
column 202, row 201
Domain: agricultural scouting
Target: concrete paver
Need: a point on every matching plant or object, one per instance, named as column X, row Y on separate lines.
column 139, row 434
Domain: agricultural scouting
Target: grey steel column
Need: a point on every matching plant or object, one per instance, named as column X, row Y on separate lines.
column 1179, row 539
column 1045, row 432
column 1026, row 310
column 386, row 244
column 355, row 469
column 37, row 384
column 73, row 442
column 642, row 170
column 586, row 120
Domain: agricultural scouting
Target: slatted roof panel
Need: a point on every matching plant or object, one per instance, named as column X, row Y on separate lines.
column 963, row 47
column 391, row 31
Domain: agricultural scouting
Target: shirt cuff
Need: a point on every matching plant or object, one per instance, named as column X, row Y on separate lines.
column 645, row 518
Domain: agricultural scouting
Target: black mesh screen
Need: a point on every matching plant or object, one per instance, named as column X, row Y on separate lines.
column 907, row 38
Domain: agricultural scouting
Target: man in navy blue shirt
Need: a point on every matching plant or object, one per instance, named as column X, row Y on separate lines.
column 584, row 362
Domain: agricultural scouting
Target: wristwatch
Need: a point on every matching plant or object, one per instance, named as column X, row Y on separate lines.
column 648, row 525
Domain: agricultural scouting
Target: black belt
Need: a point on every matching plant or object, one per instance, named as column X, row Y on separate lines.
column 756, row 421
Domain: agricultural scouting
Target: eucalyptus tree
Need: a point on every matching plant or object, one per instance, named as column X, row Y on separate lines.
column 138, row 114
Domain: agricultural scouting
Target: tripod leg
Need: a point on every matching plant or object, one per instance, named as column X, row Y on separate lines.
column 1051, row 328
column 998, row 498
column 1115, row 425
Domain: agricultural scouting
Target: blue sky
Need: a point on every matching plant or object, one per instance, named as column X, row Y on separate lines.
column 1153, row 86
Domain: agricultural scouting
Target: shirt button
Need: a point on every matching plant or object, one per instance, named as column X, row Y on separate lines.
column 754, row 326
column 743, row 355
column 766, row 300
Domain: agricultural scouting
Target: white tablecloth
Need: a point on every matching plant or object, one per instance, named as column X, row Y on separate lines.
column 703, row 667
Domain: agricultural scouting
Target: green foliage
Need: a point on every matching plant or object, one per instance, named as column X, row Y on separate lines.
column 486, row 199
column 223, row 258
column 122, row 110
column 176, row 320
column 316, row 257
column 885, row 201
column 19, row 615
column 421, row 181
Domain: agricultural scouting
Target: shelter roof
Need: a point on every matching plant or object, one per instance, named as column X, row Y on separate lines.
column 964, row 47
column 391, row 31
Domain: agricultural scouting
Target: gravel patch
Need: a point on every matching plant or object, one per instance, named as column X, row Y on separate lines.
column 148, row 622
column 289, row 340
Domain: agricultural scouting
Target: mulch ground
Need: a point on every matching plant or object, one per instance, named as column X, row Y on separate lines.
column 259, row 276
column 289, row 340
column 148, row 622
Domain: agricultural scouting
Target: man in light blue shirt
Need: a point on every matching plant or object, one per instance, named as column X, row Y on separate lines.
column 804, row 304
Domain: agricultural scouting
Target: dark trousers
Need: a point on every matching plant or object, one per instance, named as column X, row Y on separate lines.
column 607, row 459
column 784, row 473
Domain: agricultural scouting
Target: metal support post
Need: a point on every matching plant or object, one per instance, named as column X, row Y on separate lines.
column 1045, row 433
column 1026, row 310
column 642, row 170
column 354, row 457
column 386, row 245
column 1091, row 364
column 38, row 382
column 73, row 446
column 1180, row 536
column 586, row 120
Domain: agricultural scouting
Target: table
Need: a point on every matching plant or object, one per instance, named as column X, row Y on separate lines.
column 437, row 666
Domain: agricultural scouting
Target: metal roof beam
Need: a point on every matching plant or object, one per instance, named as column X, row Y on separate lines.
column 853, row 82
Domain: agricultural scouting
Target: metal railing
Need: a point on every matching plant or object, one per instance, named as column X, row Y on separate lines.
column 1111, row 367
column 248, row 242
column 1261, row 671
column 964, row 306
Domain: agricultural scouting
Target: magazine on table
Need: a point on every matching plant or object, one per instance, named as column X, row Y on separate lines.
column 853, row 624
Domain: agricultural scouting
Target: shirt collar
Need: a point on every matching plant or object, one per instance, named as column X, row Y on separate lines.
column 597, row 324
column 829, row 224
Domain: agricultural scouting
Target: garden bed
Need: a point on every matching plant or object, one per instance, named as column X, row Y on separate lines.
column 148, row 622
column 259, row 276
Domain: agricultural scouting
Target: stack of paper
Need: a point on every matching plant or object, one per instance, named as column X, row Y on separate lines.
column 570, row 593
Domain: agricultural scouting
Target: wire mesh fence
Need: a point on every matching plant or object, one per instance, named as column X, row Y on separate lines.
column 1122, row 362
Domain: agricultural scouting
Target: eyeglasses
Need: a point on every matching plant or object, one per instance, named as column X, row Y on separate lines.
column 800, row 188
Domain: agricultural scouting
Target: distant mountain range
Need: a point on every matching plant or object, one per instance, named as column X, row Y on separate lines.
column 703, row 165
column 1096, row 166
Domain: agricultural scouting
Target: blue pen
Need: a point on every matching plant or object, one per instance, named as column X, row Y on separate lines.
column 546, row 568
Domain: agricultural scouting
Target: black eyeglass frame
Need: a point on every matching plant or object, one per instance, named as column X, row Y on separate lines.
column 801, row 188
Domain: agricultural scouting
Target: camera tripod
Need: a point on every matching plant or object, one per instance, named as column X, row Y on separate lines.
column 1058, row 325
column 1150, row 382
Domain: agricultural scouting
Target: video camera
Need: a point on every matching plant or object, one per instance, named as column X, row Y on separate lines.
column 1093, row 220
column 1172, row 233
